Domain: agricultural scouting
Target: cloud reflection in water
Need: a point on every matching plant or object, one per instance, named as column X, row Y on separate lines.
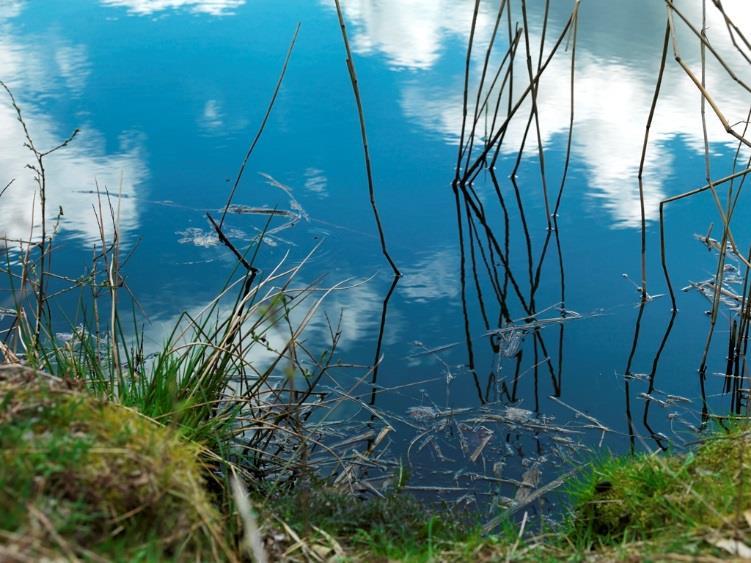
column 411, row 33
column 146, row 7
column 37, row 68
column 616, row 72
column 356, row 306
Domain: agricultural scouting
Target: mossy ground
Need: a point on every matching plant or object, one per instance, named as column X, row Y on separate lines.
column 695, row 504
column 88, row 479
column 82, row 478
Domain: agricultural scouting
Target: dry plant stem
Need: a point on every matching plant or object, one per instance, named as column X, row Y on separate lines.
column 8, row 185
column 733, row 30
column 478, row 107
column 721, row 117
column 643, row 254
column 113, row 275
column 708, row 187
column 509, row 57
column 737, row 194
column 535, row 110
column 364, row 136
column 570, row 136
column 41, row 180
column 564, row 177
column 640, row 176
column 226, row 242
column 503, row 126
column 702, row 37
column 719, row 274
column 508, row 78
column 467, row 66
column 697, row 82
column 663, row 238
column 534, row 279
column 726, row 214
column 110, row 268
column 510, row 97
column 261, row 128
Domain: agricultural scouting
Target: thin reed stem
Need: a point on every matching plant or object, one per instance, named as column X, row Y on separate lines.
column 261, row 128
column 364, row 136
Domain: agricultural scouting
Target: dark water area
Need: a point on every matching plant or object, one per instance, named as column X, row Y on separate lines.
column 169, row 93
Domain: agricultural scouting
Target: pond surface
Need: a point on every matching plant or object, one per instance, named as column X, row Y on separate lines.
column 168, row 94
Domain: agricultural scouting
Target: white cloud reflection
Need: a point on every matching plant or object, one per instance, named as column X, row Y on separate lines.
column 431, row 278
column 316, row 182
column 10, row 9
column 616, row 72
column 147, row 7
column 73, row 64
column 36, row 68
column 354, row 309
column 212, row 116
column 410, row 33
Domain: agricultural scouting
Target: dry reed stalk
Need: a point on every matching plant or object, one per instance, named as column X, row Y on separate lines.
column 467, row 65
column 262, row 126
column 364, row 138
column 480, row 107
column 501, row 129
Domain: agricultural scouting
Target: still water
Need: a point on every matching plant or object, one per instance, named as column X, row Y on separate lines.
column 168, row 94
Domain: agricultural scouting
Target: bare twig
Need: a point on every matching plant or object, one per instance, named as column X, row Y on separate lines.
column 363, row 134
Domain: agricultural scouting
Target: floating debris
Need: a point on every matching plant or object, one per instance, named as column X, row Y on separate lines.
column 293, row 203
column 198, row 237
column 422, row 414
column 207, row 238
column 510, row 342
column 530, row 480
column 520, row 327
column 238, row 209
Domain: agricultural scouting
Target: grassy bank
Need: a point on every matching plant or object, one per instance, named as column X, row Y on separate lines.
column 682, row 507
column 83, row 478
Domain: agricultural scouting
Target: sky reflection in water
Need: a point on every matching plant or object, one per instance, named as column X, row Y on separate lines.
column 167, row 94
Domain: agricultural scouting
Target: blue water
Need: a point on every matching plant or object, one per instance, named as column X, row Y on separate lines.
column 168, row 95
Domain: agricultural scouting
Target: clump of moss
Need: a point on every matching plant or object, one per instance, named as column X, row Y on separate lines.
column 86, row 478
column 671, row 502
